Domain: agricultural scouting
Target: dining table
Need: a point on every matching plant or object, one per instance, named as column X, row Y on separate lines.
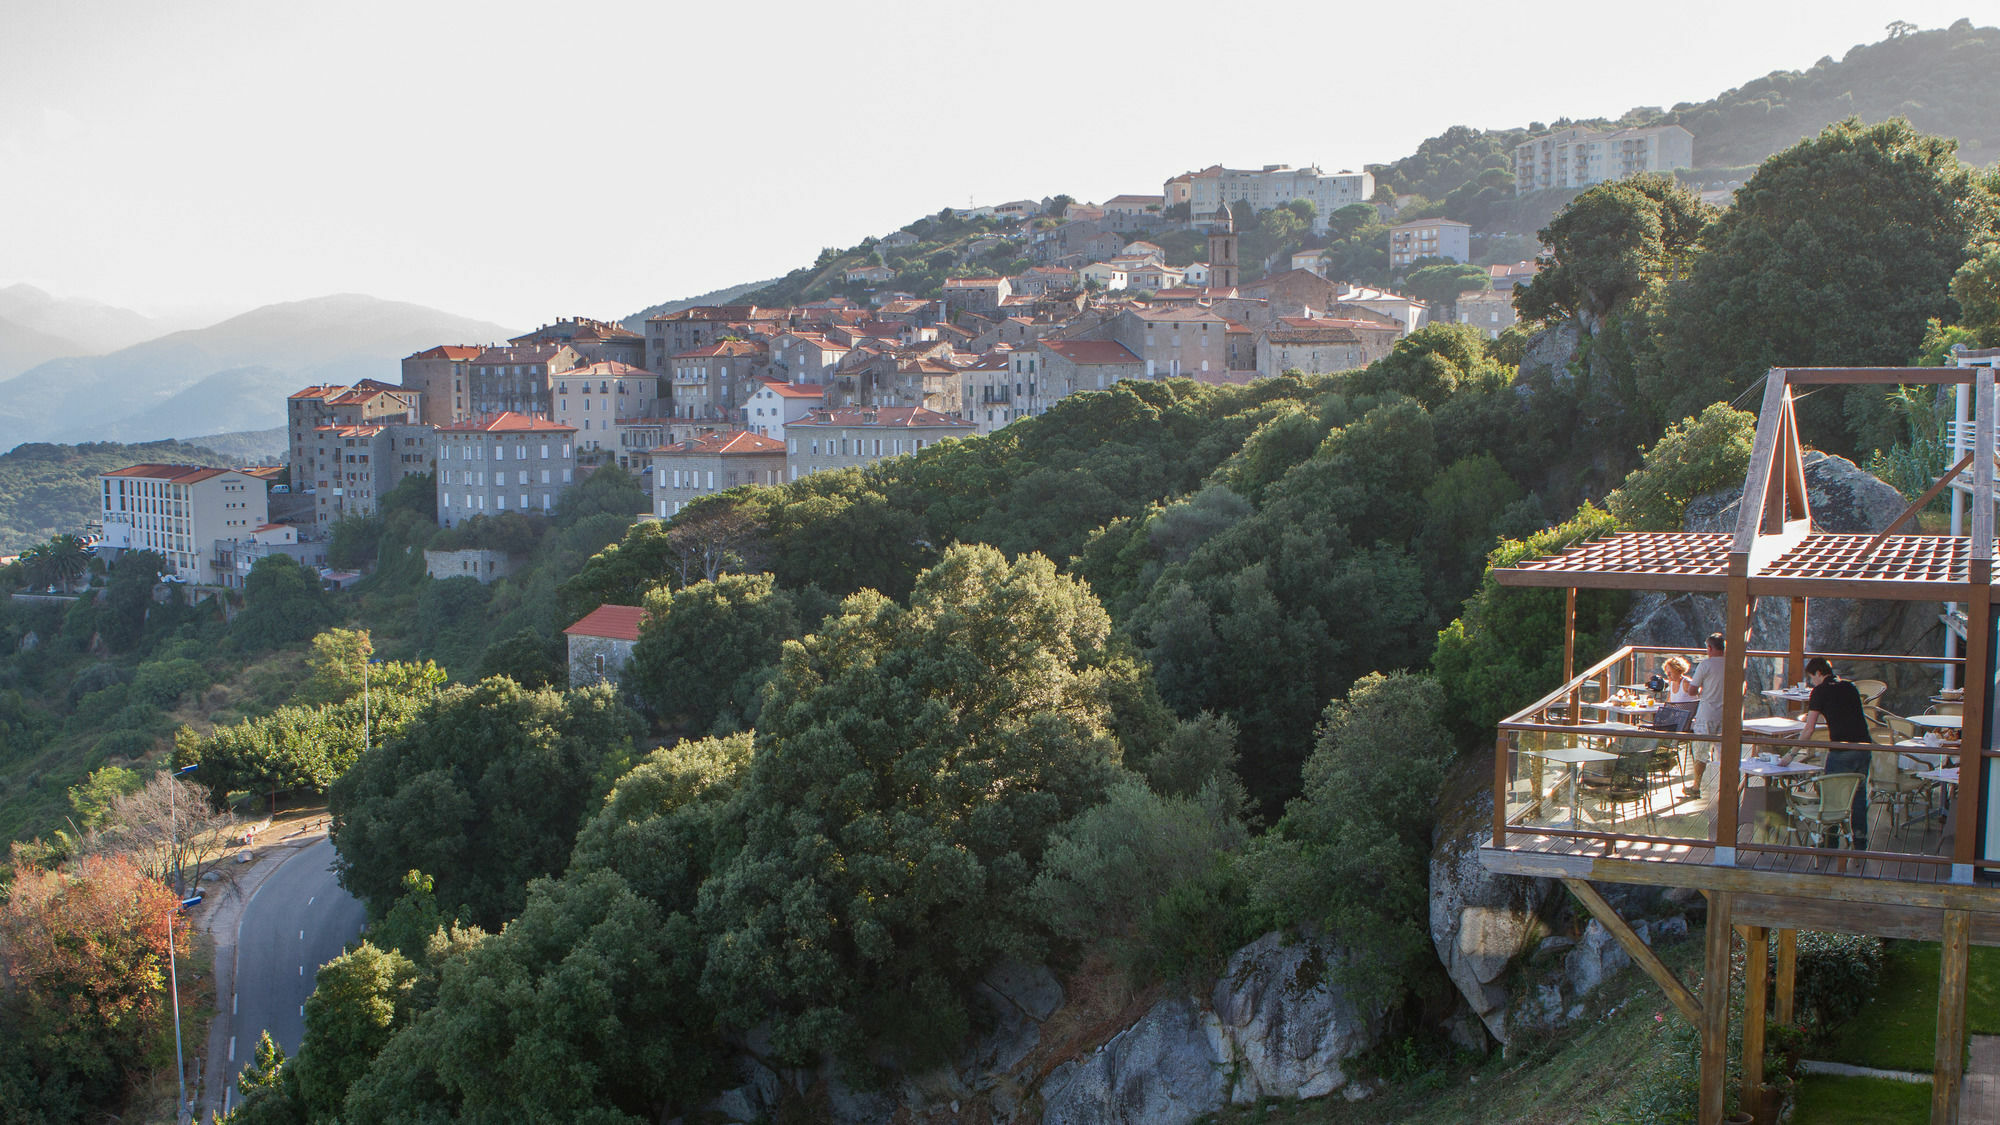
column 1773, row 726
column 1574, row 757
column 1938, row 722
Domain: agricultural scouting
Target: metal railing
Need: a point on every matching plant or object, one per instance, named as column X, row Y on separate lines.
column 1584, row 764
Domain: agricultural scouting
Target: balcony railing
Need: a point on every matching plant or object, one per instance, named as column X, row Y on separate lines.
column 1577, row 772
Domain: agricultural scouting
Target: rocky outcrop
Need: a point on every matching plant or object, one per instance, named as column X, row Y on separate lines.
column 1277, row 1025
column 1480, row 922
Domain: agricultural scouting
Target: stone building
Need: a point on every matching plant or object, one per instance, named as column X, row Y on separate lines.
column 837, row 439
column 597, row 341
column 1316, row 345
column 368, row 402
column 593, row 398
column 600, row 645
column 710, row 463
column 516, row 379
column 1489, row 310
column 438, row 375
column 710, row 384
column 506, row 463
column 352, row 467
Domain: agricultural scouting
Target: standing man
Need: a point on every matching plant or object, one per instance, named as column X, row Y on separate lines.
column 1837, row 703
column 1706, row 683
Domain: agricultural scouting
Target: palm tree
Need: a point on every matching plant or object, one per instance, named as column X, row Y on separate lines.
column 67, row 559
column 36, row 567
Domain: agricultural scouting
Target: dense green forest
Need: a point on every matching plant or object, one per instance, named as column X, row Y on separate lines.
column 52, row 489
column 1134, row 681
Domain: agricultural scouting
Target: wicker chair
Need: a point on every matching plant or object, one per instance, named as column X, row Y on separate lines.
column 1829, row 817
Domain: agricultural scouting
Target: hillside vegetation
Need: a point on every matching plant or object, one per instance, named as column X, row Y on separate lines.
column 50, row 490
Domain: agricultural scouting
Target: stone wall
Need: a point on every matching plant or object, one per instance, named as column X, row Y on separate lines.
column 480, row 564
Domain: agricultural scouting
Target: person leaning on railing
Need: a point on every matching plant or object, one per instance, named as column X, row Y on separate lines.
column 1837, row 703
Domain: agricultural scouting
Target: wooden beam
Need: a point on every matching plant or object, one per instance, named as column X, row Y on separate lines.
column 1500, row 779
column 1756, row 973
column 1978, row 637
column 1832, row 916
column 1710, row 878
column 1795, row 660
column 1763, row 451
column 1642, row 954
column 1729, row 751
column 1715, row 1011
column 1938, row 486
column 1800, row 508
column 1950, row 1065
column 1887, row 376
column 1788, row 975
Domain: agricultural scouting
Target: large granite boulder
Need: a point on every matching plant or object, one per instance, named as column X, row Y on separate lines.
column 1480, row 922
column 1293, row 1028
column 1168, row 1069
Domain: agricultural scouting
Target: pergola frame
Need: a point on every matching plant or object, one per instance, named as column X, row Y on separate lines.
column 1774, row 552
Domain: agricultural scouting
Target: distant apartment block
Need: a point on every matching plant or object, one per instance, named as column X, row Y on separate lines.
column 1274, row 185
column 353, row 466
column 180, row 511
column 672, row 334
column 506, row 463
column 688, row 470
column 1580, row 157
column 705, row 380
column 1429, row 238
column 365, row 403
column 838, row 439
column 439, row 376
column 516, row 379
column 592, row 399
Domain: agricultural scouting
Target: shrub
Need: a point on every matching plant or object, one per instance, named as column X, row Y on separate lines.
column 1108, row 865
column 163, row 683
column 1837, row 973
column 120, row 744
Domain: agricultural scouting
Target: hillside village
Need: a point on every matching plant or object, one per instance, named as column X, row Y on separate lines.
column 711, row 397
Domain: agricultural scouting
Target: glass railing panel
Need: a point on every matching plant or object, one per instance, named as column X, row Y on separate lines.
column 1605, row 777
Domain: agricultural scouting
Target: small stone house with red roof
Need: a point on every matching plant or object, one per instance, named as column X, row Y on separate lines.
column 600, row 645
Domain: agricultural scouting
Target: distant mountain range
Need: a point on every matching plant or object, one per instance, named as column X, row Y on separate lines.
column 228, row 377
column 36, row 327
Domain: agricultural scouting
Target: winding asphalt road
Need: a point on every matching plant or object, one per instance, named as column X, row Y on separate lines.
column 298, row 920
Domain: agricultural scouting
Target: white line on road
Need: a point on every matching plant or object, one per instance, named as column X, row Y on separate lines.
column 302, row 970
column 302, row 935
column 232, row 1048
column 232, row 1003
column 302, row 1009
column 312, row 900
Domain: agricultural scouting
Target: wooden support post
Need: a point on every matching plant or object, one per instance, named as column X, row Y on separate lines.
column 1795, row 667
column 1715, row 1010
column 1756, row 973
column 1950, row 1068
column 1788, row 974
column 1729, row 751
column 1978, row 629
column 1642, row 955
column 1569, row 654
column 1500, row 782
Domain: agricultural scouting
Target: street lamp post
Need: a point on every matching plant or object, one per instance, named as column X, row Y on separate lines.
column 173, row 972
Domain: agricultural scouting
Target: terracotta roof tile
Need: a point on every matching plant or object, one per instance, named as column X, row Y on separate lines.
column 613, row 622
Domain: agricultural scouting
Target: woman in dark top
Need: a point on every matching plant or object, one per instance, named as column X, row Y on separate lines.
column 1837, row 703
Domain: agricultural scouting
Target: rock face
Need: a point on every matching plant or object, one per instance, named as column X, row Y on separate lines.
column 1277, row 1025
column 1480, row 922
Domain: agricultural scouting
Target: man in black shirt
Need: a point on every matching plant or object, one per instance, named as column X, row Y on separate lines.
column 1837, row 702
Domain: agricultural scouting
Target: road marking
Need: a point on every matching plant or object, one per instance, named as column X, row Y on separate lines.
column 312, row 900
column 302, row 970
column 302, row 935
column 302, row 1009
column 232, row 1003
column 232, row 1048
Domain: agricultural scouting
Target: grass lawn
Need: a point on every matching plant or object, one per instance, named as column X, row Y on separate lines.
column 1897, row 1028
column 1828, row 1100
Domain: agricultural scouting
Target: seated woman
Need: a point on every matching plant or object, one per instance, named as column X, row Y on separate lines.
column 1837, row 703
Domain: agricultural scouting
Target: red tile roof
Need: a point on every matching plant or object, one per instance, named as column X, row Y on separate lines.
column 795, row 390
column 507, row 422
column 173, row 474
column 1092, row 351
column 608, row 369
column 723, row 348
column 612, row 622
column 728, row 442
column 449, row 351
column 907, row 417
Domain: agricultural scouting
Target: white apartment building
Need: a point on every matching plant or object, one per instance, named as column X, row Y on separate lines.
column 1580, row 157
column 777, row 403
column 180, row 511
column 1275, row 185
column 507, row 463
column 1430, row 238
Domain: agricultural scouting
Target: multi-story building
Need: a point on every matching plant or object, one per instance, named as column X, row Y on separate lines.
column 354, row 466
column 234, row 557
column 507, row 463
column 597, row 341
column 706, row 380
column 1429, row 238
column 365, row 403
column 180, row 511
column 593, row 398
column 804, row 357
column 838, row 439
column 1317, row 345
column 438, row 375
column 519, row 380
column 1489, row 310
column 1170, row 341
column 982, row 295
column 1579, row 157
column 637, row 438
column 710, row 463
column 776, row 403
column 675, row 334
column 1274, row 185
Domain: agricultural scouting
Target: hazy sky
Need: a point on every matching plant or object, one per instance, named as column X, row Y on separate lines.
column 519, row 162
